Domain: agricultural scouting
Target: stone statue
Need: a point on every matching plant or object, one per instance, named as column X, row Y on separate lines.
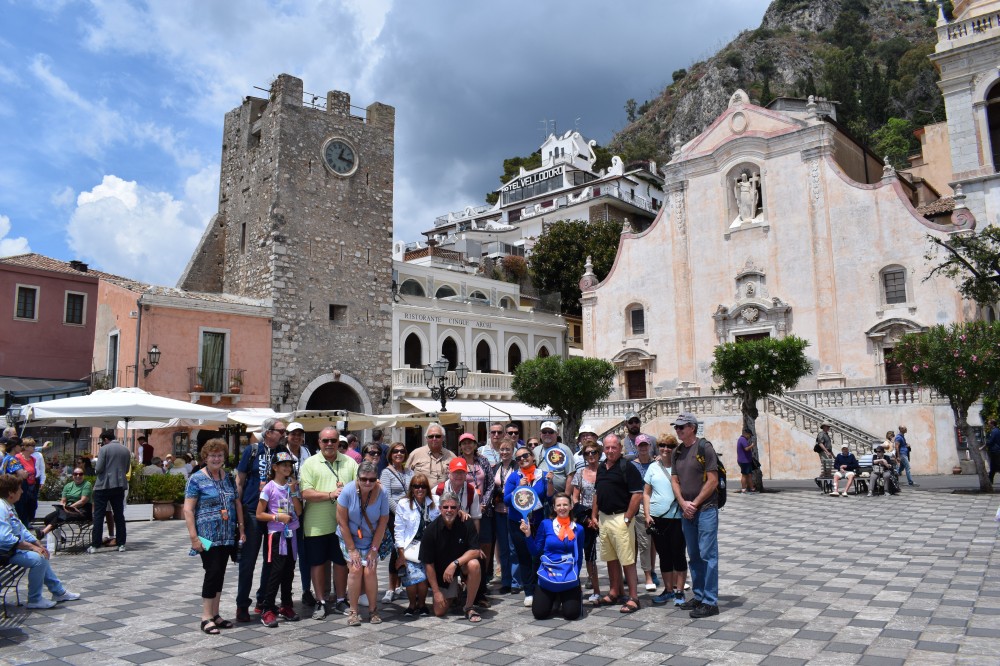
column 747, row 195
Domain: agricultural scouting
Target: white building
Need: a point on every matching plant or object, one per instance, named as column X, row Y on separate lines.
column 444, row 309
column 564, row 187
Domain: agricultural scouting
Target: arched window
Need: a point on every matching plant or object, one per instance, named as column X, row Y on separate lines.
column 413, row 352
column 479, row 296
column 412, row 288
column 513, row 358
column 989, row 314
column 993, row 120
column 543, row 352
column 893, row 285
column 635, row 319
column 483, row 356
column 507, row 303
column 445, row 291
column 450, row 351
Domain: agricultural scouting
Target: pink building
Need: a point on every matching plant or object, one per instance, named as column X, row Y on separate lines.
column 214, row 349
column 47, row 332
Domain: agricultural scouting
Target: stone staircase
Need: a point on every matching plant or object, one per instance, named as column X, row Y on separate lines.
column 808, row 419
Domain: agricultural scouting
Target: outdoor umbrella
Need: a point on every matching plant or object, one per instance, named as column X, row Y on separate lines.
column 104, row 409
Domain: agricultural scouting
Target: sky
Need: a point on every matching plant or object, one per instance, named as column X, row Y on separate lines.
column 112, row 110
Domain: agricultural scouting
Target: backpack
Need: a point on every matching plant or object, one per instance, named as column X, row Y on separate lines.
column 721, row 489
column 470, row 493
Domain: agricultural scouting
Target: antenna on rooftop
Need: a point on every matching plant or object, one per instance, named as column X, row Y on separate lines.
column 576, row 124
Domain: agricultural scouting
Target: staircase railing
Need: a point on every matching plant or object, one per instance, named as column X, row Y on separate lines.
column 808, row 419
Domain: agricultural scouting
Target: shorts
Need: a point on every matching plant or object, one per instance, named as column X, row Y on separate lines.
column 322, row 549
column 415, row 574
column 347, row 556
column 746, row 468
column 617, row 539
column 450, row 591
column 844, row 475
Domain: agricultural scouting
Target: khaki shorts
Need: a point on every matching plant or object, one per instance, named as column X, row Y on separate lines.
column 617, row 539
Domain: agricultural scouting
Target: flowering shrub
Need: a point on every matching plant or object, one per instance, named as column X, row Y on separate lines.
column 755, row 368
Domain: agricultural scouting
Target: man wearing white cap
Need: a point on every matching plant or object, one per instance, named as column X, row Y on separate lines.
column 295, row 441
column 551, row 456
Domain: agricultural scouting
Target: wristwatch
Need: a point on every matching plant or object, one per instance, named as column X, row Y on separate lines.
column 627, row 520
column 458, row 565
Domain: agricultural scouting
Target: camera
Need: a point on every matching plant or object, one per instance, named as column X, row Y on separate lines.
column 652, row 529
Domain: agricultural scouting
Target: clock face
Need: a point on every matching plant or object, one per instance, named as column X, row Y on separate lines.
column 340, row 157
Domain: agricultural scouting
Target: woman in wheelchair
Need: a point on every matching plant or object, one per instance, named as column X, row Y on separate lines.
column 883, row 476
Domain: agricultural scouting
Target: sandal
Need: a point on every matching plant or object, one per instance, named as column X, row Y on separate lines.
column 630, row 606
column 607, row 600
column 353, row 619
column 472, row 616
column 373, row 618
column 214, row 630
column 222, row 624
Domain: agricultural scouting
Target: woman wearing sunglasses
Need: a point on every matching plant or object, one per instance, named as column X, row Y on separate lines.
column 526, row 474
column 583, row 498
column 414, row 512
column 395, row 479
column 74, row 505
column 362, row 519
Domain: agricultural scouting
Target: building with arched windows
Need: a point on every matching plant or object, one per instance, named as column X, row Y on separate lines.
column 777, row 222
column 444, row 309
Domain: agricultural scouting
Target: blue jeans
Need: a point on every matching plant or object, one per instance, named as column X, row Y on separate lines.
column 39, row 571
column 255, row 531
column 702, row 536
column 504, row 549
column 904, row 463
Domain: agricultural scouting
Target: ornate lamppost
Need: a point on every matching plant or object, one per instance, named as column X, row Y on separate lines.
column 435, row 376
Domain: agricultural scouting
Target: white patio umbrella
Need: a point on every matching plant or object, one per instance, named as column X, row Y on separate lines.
column 104, row 409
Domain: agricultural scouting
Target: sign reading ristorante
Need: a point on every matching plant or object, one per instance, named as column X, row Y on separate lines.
column 416, row 316
column 524, row 181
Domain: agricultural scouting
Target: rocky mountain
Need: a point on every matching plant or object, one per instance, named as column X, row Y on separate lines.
column 868, row 55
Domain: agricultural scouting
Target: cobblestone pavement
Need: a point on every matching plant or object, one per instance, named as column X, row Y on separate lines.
column 805, row 578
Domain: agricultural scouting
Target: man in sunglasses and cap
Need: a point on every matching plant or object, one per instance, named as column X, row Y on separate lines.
column 553, row 456
column 630, row 443
column 695, row 478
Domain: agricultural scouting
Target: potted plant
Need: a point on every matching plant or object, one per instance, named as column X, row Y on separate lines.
column 163, row 491
column 236, row 382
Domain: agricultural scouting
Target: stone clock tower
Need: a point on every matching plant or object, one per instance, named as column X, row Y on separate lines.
column 305, row 221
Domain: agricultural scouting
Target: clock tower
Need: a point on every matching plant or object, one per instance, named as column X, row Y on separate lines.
column 305, row 222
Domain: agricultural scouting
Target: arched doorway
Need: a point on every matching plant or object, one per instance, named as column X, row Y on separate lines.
column 543, row 352
column 513, row 358
column 449, row 349
column 413, row 353
column 483, row 356
column 993, row 121
column 335, row 395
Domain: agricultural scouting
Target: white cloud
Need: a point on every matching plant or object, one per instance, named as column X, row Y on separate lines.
column 11, row 246
column 124, row 228
column 63, row 198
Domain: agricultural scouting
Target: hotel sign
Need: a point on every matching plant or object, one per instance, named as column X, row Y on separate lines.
column 530, row 179
column 447, row 320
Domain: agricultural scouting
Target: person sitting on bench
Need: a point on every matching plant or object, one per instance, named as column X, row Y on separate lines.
column 884, row 469
column 845, row 466
column 74, row 504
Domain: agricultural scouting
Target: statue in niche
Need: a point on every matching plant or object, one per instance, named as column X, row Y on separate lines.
column 747, row 196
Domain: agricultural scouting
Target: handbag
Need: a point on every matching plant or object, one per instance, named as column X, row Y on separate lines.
column 384, row 548
column 412, row 552
column 558, row 574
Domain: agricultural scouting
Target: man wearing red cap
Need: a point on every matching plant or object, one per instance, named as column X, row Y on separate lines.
column 458, row 472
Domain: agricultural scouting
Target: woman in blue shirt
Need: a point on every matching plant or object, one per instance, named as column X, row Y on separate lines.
column 663, row 517
column 558, row 543
column 541, row 482
column 19, row 546
column 362, row 517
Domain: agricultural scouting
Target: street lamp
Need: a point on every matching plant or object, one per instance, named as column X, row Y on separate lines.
column 437, row 374
column 154, row 360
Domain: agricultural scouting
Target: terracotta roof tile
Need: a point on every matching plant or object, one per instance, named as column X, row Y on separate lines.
column 939, row 207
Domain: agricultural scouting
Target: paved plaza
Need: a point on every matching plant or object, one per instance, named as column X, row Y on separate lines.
column 805, row 578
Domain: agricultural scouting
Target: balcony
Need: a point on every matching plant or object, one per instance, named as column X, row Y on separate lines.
column 409, row 382
column 216, row 383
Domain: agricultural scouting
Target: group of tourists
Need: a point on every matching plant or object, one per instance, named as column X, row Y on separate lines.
column 538, row 508
column 890, row 459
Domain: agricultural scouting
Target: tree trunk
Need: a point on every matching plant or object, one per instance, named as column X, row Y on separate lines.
column 750, row 413
column 570, row 428
column 962, row 421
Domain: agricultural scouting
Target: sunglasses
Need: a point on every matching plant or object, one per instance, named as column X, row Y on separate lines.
column 591, row 453
column 367, row 479
column 373, row 453
column 435, row 436
column 681, row 427
column 77, row 473
column 548, row 432
column 329, row 441
column 281, row 430
column 421, row 487
column 524, row 456
column 634, row 422
column 513, row 432
column 496, row 433
column 397, row 452
column 449, row 508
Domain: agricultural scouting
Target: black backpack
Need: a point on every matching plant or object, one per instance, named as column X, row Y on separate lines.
column 721, row 489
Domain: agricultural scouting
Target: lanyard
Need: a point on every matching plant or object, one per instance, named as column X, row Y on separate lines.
column 334, row 472
column 364, row 510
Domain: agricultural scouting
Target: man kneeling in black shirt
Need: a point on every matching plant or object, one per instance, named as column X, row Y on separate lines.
column 449, row 548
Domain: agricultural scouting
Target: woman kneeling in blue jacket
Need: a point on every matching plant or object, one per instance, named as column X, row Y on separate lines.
column 558, row 544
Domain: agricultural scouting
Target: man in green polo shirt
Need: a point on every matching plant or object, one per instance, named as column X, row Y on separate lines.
column 321, row 478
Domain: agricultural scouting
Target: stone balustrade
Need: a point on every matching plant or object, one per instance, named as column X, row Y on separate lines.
column 868, row 396
column 976, row 26
column 412, row 379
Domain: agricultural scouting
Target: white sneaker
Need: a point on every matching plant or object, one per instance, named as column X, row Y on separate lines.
column 843, row 494
column 400, row 592
column 50, row 542
column 91, row 550
column 389, row 596
column 834, row 493
column 41, row 604
column 687, row 586
column 594, row 598
column 66, row 596
column 528, row 600
column 121, row 548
